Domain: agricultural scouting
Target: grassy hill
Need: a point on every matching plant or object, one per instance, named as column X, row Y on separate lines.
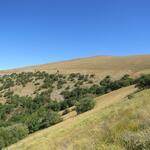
column 115, row 66
column 37, row 97
column 100, row 66
column 115, row 123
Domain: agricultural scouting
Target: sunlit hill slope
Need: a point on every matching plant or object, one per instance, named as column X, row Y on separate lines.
column 115, row 66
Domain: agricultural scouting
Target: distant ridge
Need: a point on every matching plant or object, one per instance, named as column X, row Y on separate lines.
column 99, row 65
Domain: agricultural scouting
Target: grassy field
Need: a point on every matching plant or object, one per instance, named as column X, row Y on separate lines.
column 100, row 65
column 98, row 129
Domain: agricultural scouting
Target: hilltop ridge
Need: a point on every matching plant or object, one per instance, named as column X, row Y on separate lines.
column 116, row 66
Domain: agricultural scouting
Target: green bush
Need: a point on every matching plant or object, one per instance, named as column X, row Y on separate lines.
column 11, row 134
column 60, row 83
column 8, row 83
column 143, row 82
column 54, row 105
column 95, row 89
column 8, row 94
column 63, row 105
column 41, row 119
column 50, row 119
column 84, row 105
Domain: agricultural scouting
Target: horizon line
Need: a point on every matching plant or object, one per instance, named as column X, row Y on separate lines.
column 71, row 59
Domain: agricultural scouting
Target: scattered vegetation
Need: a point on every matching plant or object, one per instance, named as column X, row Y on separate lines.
column 33, row 113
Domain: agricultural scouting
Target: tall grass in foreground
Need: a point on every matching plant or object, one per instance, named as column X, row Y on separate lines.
column 128, row 125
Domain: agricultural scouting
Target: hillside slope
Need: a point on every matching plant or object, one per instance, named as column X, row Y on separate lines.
column 85, row 130
column 116, row 66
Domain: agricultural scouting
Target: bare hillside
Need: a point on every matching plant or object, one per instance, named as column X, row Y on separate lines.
column 100, row 65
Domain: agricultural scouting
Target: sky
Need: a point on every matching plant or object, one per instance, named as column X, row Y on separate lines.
column 42, row 31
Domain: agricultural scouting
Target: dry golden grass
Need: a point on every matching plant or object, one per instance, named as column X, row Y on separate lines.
column 23, row 91
column 100, row 65
column 77, row 133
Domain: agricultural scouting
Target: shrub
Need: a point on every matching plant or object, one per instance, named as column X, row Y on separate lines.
column 143, row 82
column 130, row 96
column 60, row 83
column 11, row 134
column 2, row 143
column 81, row 77
column 72, row 76
column 67, row 88
column 92, row 75
column 54, row 105
column 63, row 105
column 71, row 102
column 37, row 83
column 93, row 89
column 90, row 82
column 106, row 81
column 8, row 83
column 50, row 119
column 84, row 105
column 41, row 119
column 9, row 94
column 5, row 110
column 126, row 80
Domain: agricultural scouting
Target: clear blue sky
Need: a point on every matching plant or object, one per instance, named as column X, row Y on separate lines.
column 41, row 31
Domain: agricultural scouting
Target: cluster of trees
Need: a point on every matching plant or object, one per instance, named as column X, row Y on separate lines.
column 40, row 119
column 33, row 113
column 6, row 83
column 84, row 105
column 11, row 134
column 78, row 76
column 28, row 111
column 43, row 80
column 25, row 114
column 143, row 82
column 105, row 86
column 21, row 115
column 13, row 79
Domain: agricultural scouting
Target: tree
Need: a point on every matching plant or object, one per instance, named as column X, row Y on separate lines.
column 106, row 81
column 143, row 82
column 41, row 119
column 84, row 105
column 50, row 119
column 11, row 134
column 54, row 105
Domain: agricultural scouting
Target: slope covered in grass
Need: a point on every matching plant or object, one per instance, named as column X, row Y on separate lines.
column 115, row 66
column 115, row 123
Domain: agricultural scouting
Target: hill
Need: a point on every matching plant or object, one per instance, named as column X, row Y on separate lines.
column 38, row 97
column 115, row 66
column 104, row 127
column 99, row 66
